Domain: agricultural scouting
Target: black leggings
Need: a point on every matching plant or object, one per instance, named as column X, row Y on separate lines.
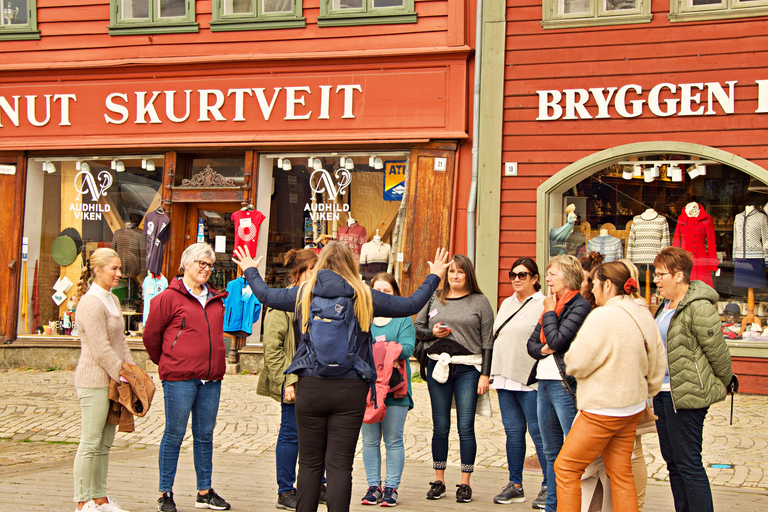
column 329, row 413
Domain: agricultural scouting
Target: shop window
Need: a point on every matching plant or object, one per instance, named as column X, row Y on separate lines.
column 634, row 210
column 256, row 15
column 128, row 17
column 337, row 13
column 315, row 199
column 74, row 207
column 582, row 13
column 695, row 10
column 19, row 20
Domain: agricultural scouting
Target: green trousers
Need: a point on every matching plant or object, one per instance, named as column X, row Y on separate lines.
column 96, row 437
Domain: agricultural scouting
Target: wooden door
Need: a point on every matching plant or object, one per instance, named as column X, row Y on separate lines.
column 216, row 221
column 12, row 196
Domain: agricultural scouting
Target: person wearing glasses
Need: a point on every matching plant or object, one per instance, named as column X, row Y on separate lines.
column 512, row 375
column 698, row 374
column 184, row 336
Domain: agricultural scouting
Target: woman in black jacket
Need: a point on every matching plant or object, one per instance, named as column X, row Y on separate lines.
column 564, row 312
column 329, row 411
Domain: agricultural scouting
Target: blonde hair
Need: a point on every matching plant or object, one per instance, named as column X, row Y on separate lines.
column 337, row 258
column 571, row 268
column 635, row 274
column 100, row 258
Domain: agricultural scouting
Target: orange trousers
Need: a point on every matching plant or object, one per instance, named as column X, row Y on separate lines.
column 592, row 435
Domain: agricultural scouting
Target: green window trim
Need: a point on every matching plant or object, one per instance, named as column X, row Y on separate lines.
column 257, row 20
column 730, row 9
column 366, row 15
column 596, row 17
column 26, row 31
column 170, row 25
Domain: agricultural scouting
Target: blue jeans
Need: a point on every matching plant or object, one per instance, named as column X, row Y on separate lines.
column 556, row 411
column 391, row 429
column 182, row 398
column 287, row 449
column 518, row 410
column 461, row 386
column 680, row 437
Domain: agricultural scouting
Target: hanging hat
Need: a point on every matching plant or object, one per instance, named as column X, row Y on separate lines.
column 732, row 308
column 64, row 250
column 74, row 235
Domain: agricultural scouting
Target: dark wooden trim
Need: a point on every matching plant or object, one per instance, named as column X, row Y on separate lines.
column 17, row 232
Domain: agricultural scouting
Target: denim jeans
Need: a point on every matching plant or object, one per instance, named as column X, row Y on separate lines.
column 461, row 386
column 518, row 413
column 391, row 429
column 680, row 437
column 182, row 398
column 556, row 411
column 287, row 449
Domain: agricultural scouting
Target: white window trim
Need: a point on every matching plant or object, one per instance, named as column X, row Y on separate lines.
column 681, row 11
column 595, row 17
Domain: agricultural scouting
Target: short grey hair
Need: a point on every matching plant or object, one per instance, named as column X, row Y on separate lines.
column 195, row 252
column 571, row 268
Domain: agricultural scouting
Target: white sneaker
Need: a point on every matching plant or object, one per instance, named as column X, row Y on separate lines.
column 112, row 506
column 90, row 506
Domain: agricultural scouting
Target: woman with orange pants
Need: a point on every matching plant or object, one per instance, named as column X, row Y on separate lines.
column 619, row 362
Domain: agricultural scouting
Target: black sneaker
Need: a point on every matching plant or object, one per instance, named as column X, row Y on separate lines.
column 390, row 497
column 165, row 503
column 372, row 497
column 287, row 500
column 463, row 493
column 510, row 494
column 211, row 500
column 541, row 499
column 436, row 490
column 323, row 490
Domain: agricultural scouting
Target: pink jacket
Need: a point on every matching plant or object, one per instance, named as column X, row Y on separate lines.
column 384, row 355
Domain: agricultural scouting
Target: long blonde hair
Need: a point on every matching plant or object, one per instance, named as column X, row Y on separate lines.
column 337, row 258
column 100, row 258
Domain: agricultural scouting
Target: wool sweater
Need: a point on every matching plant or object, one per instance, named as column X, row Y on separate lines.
column 750, row 235
column 612, row 367
column 470, row 319
column 103, row 349
column 647, row 237
column 510, row 352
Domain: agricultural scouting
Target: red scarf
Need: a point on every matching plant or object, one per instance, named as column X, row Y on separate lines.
column 561, row 302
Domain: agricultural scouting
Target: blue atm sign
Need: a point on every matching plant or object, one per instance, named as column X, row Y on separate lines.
column 394, row 180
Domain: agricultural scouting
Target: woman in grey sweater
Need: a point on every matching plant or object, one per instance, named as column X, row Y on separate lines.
column 512, row 373
column 460, row 326
column 103, row 351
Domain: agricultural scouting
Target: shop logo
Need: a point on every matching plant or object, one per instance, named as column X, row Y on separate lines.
column 320, row 181
column 89, row 184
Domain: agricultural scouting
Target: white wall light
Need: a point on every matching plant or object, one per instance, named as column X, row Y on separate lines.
column 378, row 164
column 150, row 165
column 630, row 171
column 675, row 172
column 286, row 165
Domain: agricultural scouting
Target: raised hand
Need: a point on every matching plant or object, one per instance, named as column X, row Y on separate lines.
column 242, row 258
column 441, row 262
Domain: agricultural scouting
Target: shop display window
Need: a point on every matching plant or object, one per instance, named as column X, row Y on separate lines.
column 151, row 16
column 634, row 209
column 366, row 12
column 256, row 14
column 316, row 199
column 694, row 10
column 582, row 13
column 73, row 207
column 18, row 19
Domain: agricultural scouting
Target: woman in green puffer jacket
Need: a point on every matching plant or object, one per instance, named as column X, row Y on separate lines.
column 698, row 373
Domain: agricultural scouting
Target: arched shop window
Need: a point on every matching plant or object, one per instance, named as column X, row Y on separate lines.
column 636, row 206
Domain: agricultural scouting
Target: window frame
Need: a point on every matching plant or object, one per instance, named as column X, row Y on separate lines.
column 727, row 9
column 174, row 25
column 27, row 31
column 366, row 15
column 257, row 20
column 596, row 17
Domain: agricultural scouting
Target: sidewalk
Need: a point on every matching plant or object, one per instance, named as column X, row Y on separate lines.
column 42, row 408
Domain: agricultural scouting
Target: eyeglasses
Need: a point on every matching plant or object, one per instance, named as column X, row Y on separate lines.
column 659, row 275
column 205, row 265
column 519, row 275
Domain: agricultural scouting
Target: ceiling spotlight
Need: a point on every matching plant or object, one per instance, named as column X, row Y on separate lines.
column 342, row 161
column 77, row 165
column 280, row 162
column 371, row 160
column 656, row 170
column 648, row 174
column 675, row 172
column 113, row 165
column 150, row 165
column 119, row 166
column 630, row 171
column 349, row 164
column 286, row 165
column 143, row 163
column 697, row 170
column 49, row 167
column 638, row 171
column 378, row 164
column 309, row 162
column 317, row 164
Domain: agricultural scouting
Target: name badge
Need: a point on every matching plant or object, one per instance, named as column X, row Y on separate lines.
column 433, row 313
column 383, row 337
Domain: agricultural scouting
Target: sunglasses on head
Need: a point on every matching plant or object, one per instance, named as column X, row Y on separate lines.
column 520, row 275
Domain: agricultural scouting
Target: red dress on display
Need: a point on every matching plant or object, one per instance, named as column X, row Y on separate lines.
column 247, row 223
column 697, row 235
column 353, row 237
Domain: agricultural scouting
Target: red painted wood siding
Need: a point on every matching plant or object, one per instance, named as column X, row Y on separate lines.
column 76, row 31
column 644, row 54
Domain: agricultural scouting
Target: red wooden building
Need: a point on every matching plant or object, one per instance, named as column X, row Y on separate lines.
column 310, row 111
column 617, row 107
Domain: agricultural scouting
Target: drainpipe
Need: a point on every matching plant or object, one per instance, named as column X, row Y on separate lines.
column 472, row 204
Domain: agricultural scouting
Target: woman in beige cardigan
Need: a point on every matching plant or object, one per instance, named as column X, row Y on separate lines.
column 618, row 361
column 103, row 351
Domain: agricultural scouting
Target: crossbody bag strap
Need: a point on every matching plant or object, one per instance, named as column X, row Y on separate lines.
column 496, row 334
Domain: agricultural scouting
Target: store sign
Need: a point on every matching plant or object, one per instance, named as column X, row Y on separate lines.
column 394, row 180
column 87, row 185
column 321, row 182
column 631, row 100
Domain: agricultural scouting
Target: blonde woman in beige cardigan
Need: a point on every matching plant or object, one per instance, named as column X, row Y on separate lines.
column 103, row 350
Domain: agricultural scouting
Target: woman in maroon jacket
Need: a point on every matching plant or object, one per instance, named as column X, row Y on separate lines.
column 184, row 336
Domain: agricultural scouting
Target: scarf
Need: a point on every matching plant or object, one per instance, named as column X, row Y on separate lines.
column 561, row 302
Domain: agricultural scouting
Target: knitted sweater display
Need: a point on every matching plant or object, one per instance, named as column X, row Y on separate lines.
column 374, row 258
column 353, row 236
column 750, row 235
column 607, row 245
column 128, row 244
column 647, row 237
column 697, row 236
column 103, row 349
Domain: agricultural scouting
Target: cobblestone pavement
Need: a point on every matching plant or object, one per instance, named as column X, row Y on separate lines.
column 43, row 406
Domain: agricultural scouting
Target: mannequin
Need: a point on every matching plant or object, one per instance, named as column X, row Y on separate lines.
column 648, row 235
column 607, row 245
column 353, row 235
column 558, row 236
column 603, row 232
column 374, row 257
column 750, row 254
column 695, row 232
